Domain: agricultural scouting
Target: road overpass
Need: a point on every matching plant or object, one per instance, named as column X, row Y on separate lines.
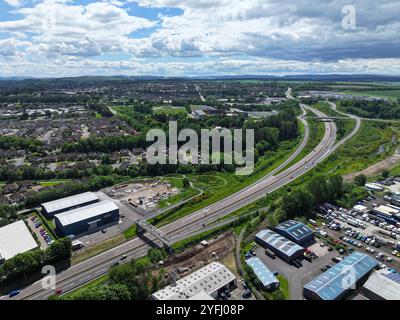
column 96, row 266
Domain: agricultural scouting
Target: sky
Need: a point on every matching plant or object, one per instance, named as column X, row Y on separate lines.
column 54, row 38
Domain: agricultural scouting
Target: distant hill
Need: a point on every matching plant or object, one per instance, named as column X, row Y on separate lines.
column 301, row 77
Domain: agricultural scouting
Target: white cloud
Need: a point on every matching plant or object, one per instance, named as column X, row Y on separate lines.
column 208, row 36
column 14, row 3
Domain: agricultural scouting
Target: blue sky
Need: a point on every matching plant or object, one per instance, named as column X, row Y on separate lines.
column 197, row 37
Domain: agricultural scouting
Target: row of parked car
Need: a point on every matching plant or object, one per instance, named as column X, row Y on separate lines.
column 367, row 239
column 43, row 232
column 46, row 236
column 36, row 222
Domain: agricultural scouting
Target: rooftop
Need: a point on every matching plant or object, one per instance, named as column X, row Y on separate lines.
column 262, row 272
column 87, row 212
column 295, row 228
column 277, row 241
column 385, row 284
column 207, row 279
column 15, row 238
column 342, row 276
column 69, row 202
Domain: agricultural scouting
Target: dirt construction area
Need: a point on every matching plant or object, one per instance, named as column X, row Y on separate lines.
column 144, row 195
column 200, row 255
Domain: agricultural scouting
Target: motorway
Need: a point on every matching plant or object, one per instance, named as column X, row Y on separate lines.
column 94, row 267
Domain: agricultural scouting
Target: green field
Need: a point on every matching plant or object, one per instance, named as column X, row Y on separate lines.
column 170, row 111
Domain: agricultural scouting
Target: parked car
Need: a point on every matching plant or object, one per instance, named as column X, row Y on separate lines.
column 246, row 293
column 14, row 293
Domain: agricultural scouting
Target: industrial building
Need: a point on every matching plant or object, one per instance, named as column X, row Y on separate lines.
column 382, row 285
column 284, row 248
column 336, row 282
column 15, row 238
column 295, row 231
column 88, row 218
column 266, row 277
column 202, row 284
column 50, row 209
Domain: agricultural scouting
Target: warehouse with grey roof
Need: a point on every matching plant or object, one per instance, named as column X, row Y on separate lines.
column 203, row 284
column 295, row 231
column 284, row 248
column 86, row 219
column 382, row 285
column 15, row 238
column 50, row 209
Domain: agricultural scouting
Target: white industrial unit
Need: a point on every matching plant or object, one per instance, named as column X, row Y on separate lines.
column 201, row 284
column 15, row 238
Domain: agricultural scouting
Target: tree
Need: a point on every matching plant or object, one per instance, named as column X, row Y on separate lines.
column 335, row 185
column 319, row 189
column 360, row 180
column 186, row 183
column 385, row 174
column 297, row 203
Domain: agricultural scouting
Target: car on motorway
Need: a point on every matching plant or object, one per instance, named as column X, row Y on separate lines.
column 115, row 264
column 14, row 293
column 124, row 257
column 58, row 291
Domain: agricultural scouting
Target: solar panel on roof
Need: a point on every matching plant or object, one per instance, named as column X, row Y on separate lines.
column 332, row 283
column 394, row 276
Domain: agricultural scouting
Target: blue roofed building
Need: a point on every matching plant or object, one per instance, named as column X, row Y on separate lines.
column 295, row 231
column 266, row 277
column 284, row 248
column 337, row 281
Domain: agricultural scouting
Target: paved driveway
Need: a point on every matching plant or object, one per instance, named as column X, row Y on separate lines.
column 297, row 277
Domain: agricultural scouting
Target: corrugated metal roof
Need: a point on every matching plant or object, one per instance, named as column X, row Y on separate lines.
column 342, row 276
column 385, row 284
column 209, row 279
column 280, row 243
column 15, row 238
column 87, row 212
column 295, row 228
column 262, row 272
column 69, row 202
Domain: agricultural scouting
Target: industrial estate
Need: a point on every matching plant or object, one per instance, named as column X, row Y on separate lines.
column 235, row 187
column 318, row 219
